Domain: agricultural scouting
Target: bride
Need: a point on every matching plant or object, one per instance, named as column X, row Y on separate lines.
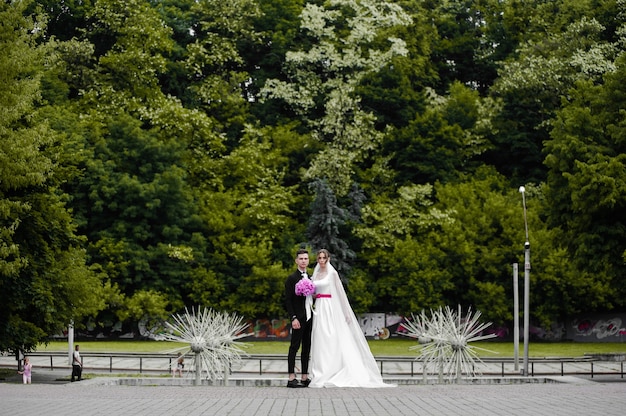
column 340, row 356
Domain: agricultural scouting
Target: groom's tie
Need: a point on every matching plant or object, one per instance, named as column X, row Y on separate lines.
column 308, row 302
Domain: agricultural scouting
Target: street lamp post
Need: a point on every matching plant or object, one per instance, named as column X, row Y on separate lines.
column 526, row 284
column 515, row 318
column 70, row 342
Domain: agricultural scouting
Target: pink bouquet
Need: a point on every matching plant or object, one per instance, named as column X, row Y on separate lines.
column 305, row 287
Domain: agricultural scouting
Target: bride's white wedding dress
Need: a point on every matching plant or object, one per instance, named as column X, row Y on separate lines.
column 340, row 356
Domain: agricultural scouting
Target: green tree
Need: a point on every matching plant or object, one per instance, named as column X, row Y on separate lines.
column 43, row 274
column 550, row 61
column 483, row 238
column 395, row 93
column 138, row 203
column 247, row 212
column 586, row 184
column 135, row 146
column 467, row 42
column 277, row 25
column 325, row 225
column 191, row 189
column 445, row 140
column 406, row 274
column 323, row 76
column 214, row 63
column 486, row 236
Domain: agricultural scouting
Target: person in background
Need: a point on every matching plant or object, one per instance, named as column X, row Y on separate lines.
column 26, row 371
column 77, row 365
column 180, row 365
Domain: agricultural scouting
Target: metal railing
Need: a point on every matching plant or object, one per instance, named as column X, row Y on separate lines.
column 503, row 367
column 264, row 364
column 110, row 361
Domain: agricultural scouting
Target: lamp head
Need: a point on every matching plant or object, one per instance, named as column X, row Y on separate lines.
column 522, row 189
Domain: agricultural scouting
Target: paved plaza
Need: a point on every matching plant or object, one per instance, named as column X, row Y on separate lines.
column 52, row 394
column 572, row 397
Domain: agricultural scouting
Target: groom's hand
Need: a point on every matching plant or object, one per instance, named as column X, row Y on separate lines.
column 295, row 324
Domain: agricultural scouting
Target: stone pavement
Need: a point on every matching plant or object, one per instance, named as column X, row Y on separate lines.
column 52, row 394
column 571, row 397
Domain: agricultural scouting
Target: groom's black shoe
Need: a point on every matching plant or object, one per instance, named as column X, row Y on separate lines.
column 293, row 384
column 305, row 383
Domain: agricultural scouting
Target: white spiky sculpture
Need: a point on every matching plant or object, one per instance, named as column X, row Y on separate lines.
column 446, row 338
column 212, row 337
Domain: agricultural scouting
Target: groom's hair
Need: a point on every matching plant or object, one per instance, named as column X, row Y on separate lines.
column 302, row 251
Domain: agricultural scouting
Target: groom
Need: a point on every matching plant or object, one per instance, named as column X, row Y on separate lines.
column 300, row 326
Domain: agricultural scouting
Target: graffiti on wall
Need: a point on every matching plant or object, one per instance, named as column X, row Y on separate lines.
column 268, row 329
column 379, row 325
column 584, row 328
column 598, row 328
column 373, row 325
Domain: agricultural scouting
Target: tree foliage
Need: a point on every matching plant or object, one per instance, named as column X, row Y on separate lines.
column 325, row 225
column 324, row 75
column 44, row 277
column 587, row 183
column 161, row 153
column 531, row 85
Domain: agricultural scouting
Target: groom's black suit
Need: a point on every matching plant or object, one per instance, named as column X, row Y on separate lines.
column 296, row 308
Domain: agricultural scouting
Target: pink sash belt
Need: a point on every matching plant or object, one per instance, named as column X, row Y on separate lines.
column 322, row 295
